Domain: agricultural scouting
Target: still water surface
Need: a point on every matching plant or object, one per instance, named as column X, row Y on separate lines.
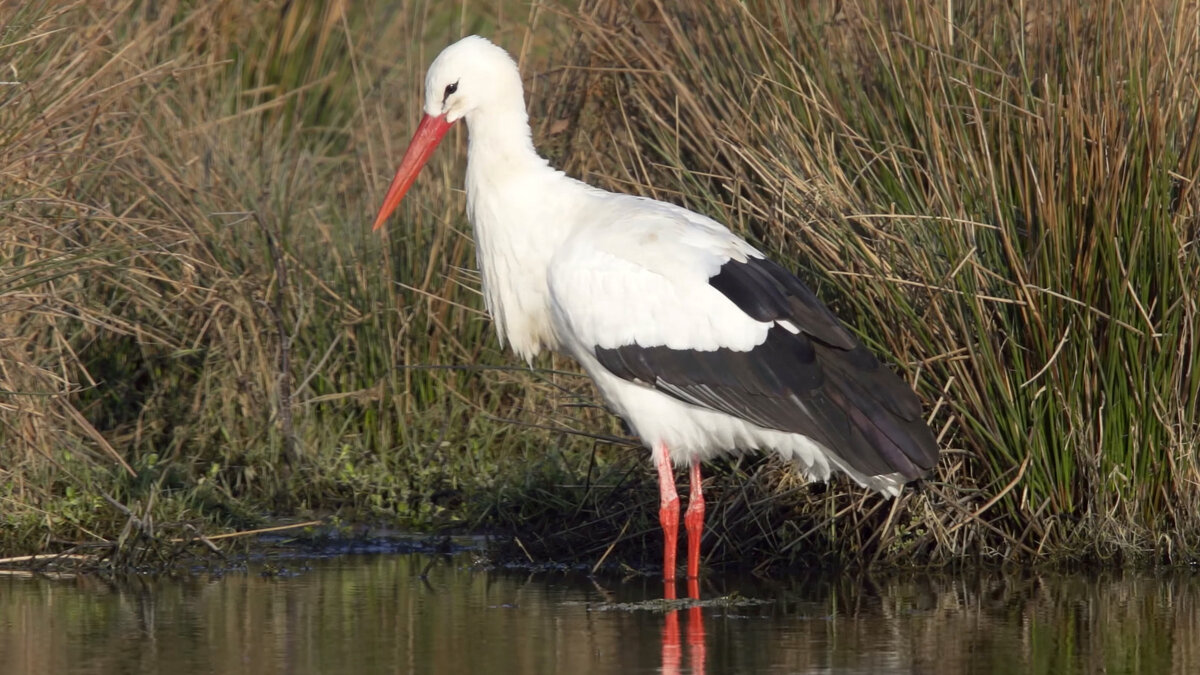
column 448, row 614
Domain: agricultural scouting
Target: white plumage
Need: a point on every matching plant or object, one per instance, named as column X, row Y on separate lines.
column 702, row 344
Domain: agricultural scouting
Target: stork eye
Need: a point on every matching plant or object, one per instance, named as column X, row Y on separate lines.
column 450, row 89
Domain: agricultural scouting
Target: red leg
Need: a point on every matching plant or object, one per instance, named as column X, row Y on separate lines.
column 668, row 509
column 694, row 520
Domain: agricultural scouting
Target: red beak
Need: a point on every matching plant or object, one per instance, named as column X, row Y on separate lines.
column 429, row 134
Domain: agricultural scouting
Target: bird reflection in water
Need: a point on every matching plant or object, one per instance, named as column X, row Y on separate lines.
column 672, row 650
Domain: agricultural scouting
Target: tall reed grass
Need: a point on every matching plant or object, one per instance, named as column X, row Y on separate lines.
column 1003, row 198
column 197, row 330
column 195, row 325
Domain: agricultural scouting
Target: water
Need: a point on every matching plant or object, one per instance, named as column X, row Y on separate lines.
column 378, row 613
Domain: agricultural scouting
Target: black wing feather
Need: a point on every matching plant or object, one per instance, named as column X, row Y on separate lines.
column 822, row 382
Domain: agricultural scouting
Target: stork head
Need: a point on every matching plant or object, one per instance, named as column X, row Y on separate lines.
column 467, row 76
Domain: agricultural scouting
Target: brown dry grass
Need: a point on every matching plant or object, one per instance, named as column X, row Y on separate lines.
column 1005, row 202
column 196, row 328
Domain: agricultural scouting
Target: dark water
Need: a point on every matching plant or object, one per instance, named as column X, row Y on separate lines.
column 369, row 614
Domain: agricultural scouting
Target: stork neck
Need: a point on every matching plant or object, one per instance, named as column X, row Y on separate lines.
column 501, row 142
column 522, row 210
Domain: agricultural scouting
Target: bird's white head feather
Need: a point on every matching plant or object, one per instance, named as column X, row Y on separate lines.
column 468, row 75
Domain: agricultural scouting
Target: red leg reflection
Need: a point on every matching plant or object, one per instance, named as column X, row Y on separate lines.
column 695, row 631
column 672, row 653
column 694, row 521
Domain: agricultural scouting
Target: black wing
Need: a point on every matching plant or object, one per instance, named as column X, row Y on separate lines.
column 820, row 382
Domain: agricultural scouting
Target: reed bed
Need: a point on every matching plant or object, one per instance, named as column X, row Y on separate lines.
column 198, row 333
column 1001, row 198
column 197, row 329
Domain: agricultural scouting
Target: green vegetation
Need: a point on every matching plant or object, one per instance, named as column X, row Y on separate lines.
column 198, row 332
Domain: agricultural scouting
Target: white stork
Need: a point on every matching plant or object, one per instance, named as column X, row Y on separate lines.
column 703, row 344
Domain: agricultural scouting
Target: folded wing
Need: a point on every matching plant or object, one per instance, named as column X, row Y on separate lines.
column 702, row 317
